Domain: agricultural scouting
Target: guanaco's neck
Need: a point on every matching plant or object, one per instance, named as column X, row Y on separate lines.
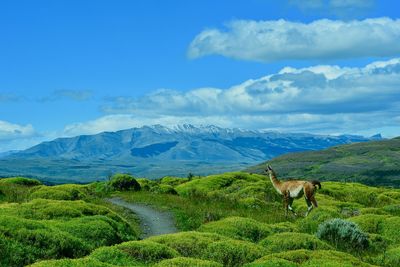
column 275, row 182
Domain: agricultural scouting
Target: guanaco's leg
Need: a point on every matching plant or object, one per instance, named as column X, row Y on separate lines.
column 286, row 202
column 290, row 206
column 309, row 205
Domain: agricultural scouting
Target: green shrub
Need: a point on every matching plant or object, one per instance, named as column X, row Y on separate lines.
column 113, row 255
column 84, row 262
column 292, row 241
column 233, row 252
column 188, row 244
column 310, row 223
column 378, row 243
column 147, row 251
column 20, row 181
column 392, row 209
column 25, row 241
column 44, row 209
column 146, row 184
column 187, row 262
column 371, row 223
column 272, row 262
column 163, row 189
column 324, row 258
column 238, row 228
column 343, row 234
column 384, row 225
column 390, row 258
column 60, row 192
column 96, row 230
column 124, row 182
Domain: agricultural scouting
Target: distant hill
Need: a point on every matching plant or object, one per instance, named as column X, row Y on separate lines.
column 156, row 151
column 372, row 163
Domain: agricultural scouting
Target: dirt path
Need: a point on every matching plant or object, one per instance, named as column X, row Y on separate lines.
column 152, row 221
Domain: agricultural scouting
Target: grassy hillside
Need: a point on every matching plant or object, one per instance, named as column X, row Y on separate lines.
column 231, row 219
column 371, row 163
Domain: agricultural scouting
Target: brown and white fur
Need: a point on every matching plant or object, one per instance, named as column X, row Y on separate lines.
column 295, row 189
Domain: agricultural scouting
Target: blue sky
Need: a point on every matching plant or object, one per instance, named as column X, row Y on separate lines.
column 82, row 67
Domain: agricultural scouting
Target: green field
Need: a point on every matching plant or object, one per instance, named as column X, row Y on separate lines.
column 231, row 219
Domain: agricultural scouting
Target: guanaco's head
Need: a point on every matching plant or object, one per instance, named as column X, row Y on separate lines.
column 269, row 169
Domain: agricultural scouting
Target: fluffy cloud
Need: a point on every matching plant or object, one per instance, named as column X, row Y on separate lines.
column 269, row 41
column 10, row 131
column 319, row 99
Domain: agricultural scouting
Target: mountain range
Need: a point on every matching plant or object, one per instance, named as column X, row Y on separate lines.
column 157, row 151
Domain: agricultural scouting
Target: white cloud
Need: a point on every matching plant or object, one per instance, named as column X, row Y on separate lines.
column 268, row 41
column 10, row 131
column 14, row 136
column 318, row 99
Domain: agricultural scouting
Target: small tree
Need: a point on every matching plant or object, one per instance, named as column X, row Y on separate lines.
column 124, row 182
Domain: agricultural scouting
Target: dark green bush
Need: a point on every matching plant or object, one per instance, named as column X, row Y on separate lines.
column 147, row 251
column 314, row 258
column 163, row 189
column 188, row 244
column 124, row 182
column 233, row 252
column 20, row 181
column 24, row 241
column 343, row 234
column 272, row 262
column 293, row 241
column 60, row 192
column 84, row 262
column 113, row 255
column 187, row 262
column 239, row 228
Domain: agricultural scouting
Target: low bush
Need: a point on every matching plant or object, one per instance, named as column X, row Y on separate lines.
column 188, row 244
column 384, row 225
column 310, row 223
column 272, row 262
column 96, row 230
column 84, row 262
column 292, row 241
column 314, row 258
column 20, row 181
column 187, row 262
column 124, row 182
column 26, row 241
column 392, row 209
column 390, row 258
column 343, row 235
column 147, row 251
column 113, row 255
column 163, row 189
column 60, row 192
column 233, row 252
column 239, row 228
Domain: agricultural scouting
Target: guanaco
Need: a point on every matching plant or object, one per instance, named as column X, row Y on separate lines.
column 295, row 189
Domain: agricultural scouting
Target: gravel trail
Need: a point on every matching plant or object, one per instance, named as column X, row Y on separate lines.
column 152, row 221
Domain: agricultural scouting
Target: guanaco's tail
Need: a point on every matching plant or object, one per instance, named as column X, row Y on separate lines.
column 316, row 183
